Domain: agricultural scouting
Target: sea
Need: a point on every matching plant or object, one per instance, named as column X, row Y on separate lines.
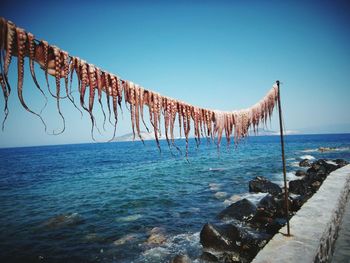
column 128, row 202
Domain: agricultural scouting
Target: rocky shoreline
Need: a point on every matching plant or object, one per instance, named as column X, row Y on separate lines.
column 239, row 231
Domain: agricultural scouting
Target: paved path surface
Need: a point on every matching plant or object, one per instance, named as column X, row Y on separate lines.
column 342, row 245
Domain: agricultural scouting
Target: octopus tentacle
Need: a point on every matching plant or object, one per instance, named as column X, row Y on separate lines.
column 57, row 55
column 21, row 46
column 2, row 75
column 31, row 45
column 66, row 65
column 150, row 97
column 120, row 95
column 155, row 118
column 46, row 63
column 126, row 90
column 4, row 90
column 159, row 111
column 184, row 119
column 10, row 46
column 108, row 92
column 49, row 63
column 92, row 84
column 75, row 66
column 99, row 89
column 137, row 111
column 142, row 102
column 131, row 100
column 167, row 116
column 179, row 112
column 114, row 90
column 84, row 82
column 173, row 107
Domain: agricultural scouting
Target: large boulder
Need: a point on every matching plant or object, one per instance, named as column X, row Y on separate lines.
column 219, row 237
column 305, row 163
column 240, row 210
column 261, row 184
column 269, row 208
column 230, row 237
column 299, row 187
column 297, row 202
column 321, row 166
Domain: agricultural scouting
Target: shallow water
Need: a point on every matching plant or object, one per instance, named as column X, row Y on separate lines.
column 125, row 202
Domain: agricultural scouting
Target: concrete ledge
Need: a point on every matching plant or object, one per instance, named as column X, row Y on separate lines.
column 314, row 227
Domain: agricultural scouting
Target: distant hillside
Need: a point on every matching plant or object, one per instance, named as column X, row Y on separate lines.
column 129, row 137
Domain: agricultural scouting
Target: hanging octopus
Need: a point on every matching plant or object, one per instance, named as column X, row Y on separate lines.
column 15, row 41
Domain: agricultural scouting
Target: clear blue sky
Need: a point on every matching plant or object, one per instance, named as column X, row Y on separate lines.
column 220, row 54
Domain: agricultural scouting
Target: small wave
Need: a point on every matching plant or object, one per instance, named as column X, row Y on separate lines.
column 220, row 195
column 125, row 239
column 214, row 186
column 194, row 209
column 186, row 243
column 252, row 197
column 294, row 164
column 63, row 220
column 331, row 162
column 309, row 151
column 232, row 199
column 308, row 157
column 129, row 218
column 290, row 177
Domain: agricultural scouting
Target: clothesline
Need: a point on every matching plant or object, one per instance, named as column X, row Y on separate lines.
column 53, row 61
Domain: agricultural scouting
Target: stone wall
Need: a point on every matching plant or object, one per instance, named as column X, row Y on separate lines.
column 314, row 227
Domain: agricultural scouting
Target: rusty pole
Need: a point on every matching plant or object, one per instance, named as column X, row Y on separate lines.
column 286, row 203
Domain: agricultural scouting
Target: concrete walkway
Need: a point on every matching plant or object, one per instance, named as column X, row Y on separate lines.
column 314, row 227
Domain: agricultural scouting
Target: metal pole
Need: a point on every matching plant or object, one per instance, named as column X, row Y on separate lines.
column 286, row 203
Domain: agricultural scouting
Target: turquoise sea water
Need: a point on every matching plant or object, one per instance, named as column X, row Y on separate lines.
column 125, row 202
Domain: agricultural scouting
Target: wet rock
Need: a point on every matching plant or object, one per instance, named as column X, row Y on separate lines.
column 316, row 185
column 261, row 184
column 63, row 220
column 157, row 236
column 125, row 239
column 268, row 203
column 231, row 258
column 275, row 225
column 299, row 187
column 240, row 210
column 208, row 257
column 220, row 238
column 340, row 162
column 280, row 211
column 267, row 208
column 230, row 237
column 297, row 202
column 300, row 173
column 181, row 259
column 304, row 163
column 321, row 166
